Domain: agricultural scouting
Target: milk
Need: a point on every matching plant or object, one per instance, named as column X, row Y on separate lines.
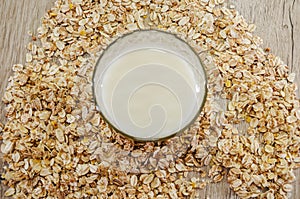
column 149, row 93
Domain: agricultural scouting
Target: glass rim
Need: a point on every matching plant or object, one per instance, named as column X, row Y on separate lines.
column 178, row 132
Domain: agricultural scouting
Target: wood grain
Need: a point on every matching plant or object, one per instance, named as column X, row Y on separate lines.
column 278, row 23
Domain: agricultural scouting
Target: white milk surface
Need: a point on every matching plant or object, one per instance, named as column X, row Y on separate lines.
column 149, row 93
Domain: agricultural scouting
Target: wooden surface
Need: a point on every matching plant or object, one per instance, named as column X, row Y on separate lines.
column 278, row 23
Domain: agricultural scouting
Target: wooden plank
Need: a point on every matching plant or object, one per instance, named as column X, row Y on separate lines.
column 278, row 23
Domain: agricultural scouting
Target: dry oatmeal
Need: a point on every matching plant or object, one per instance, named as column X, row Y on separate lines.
column 56, row 145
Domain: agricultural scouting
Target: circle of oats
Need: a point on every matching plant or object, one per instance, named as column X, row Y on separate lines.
column 54, row 134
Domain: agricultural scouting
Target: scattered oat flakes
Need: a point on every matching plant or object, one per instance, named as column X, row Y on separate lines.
column 56, row 145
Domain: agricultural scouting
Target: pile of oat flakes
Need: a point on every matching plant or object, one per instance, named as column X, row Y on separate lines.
column 56, row 145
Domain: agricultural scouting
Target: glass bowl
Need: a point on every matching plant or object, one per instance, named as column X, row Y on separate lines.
column 149, row 85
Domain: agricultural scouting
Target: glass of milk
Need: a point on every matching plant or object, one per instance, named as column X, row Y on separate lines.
column 149, row 85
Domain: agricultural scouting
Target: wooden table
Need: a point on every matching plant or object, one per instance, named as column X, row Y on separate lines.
column 278, row 23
